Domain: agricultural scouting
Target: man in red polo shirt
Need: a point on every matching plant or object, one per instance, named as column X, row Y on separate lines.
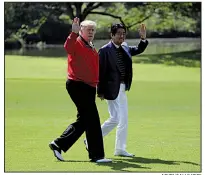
column 83, row 76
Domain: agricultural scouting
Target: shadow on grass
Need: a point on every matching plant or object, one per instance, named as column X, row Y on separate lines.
column 117, row 165
column 120, row 163
column 77, row 161
column 133, row 162
column 157, row 161
column 187, row 58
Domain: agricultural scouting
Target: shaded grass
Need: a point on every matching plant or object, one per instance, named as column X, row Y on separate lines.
column 164, row 120
column 186, row 58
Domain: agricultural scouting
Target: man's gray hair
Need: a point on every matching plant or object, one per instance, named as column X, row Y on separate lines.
column 88, row 23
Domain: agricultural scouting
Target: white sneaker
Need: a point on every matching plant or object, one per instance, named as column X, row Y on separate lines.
column 58, row 155
column 56, row 150
column 123, row 153
column 103, row 160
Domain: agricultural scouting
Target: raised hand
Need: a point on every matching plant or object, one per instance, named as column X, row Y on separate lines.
column 142, row 31
column 75, row 25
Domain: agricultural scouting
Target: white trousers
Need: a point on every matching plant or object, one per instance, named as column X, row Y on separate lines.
column 118, row 111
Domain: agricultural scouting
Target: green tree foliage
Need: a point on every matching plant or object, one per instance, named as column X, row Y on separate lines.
column 159, row 17
column 27, row 17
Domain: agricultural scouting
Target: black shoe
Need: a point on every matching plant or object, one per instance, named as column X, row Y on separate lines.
column 56, row 150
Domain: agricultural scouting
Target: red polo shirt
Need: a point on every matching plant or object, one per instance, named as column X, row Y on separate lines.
column 83, row 60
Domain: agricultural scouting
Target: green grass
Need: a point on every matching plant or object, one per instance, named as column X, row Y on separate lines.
column 184, row 58
column 164, row 119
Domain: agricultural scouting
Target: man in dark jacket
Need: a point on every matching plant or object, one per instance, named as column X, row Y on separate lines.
column 115, row 78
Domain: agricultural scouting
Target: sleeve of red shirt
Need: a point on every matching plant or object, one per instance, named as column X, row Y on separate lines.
column 69, row 44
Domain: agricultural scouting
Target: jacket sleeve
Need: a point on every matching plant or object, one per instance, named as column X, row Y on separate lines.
column 102, row 72
column 69, row 44
column 135, row 50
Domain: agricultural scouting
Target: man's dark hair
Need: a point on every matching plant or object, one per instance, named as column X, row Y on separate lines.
column 114, row 28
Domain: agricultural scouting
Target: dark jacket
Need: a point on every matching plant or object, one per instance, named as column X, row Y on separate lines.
column 109, row 75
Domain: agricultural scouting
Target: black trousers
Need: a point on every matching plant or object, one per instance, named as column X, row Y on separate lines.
column 88, row 120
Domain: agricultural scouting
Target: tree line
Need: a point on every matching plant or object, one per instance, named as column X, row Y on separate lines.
column 50, row 22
